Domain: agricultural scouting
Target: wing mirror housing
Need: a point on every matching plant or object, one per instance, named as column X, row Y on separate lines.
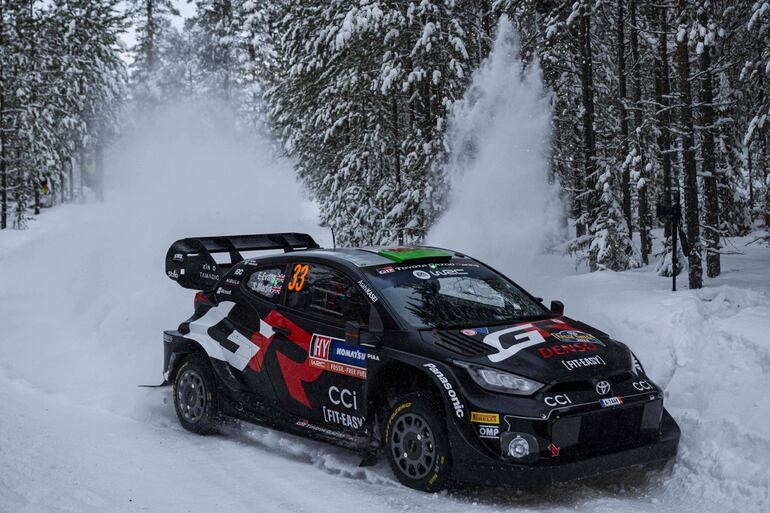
column 557, row 308
column 352, row 333
column 369, row 335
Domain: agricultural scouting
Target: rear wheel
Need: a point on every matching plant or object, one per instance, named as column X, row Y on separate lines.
column 417, row 444
column 195, row 397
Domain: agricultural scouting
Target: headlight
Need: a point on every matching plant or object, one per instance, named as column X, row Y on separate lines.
column 636, row 365
column 499, row 381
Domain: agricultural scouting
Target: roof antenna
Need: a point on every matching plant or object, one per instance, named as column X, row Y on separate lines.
column 334, row 241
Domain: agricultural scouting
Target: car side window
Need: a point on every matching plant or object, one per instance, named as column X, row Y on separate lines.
column 325, row 293
column 267, row 283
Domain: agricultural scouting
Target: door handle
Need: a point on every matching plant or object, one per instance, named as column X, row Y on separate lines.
column 282, row 331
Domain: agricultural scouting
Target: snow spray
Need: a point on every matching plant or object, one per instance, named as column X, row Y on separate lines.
column 501, row 207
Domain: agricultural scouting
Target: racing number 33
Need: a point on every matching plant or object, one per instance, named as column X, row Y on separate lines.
column 298, row 278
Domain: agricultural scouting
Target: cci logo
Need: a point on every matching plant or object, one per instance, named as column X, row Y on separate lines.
column 343, row 397
column 558, row 400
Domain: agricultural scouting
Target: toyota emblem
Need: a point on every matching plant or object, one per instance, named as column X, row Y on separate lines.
column 602, row 387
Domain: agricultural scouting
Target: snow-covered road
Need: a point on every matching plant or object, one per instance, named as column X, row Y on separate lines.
column 83, row 302
column 81, row 310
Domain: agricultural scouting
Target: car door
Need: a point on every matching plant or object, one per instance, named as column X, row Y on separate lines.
column 261, row 288
column 317, row 376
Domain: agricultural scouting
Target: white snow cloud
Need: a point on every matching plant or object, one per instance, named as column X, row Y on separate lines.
column 501, row 207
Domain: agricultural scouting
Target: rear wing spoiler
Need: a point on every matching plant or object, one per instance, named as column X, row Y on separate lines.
column 190, row 263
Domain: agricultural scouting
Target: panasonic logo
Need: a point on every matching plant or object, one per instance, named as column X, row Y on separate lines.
column 453, row 397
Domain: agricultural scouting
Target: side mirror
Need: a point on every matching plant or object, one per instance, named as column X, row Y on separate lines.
column 352, row 333
column 557, row 308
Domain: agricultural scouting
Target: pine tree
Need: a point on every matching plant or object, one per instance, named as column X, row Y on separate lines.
column 687, row 142
column 151, row 20
column 611, row 247
column 361, row 98
column 217, row 47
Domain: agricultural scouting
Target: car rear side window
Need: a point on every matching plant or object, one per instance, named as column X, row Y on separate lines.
column 267, row 283
column 326, row 293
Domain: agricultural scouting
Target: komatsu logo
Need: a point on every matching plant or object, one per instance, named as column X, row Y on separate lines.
column 453, row 397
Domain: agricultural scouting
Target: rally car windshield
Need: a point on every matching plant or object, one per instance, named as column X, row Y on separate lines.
column 453, row 295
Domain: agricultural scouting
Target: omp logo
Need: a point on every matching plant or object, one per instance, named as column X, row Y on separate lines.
column 489, row 431
column 485, row 418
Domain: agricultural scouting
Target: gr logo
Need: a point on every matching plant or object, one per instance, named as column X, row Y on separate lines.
column 642, row 385
column 343, row 397
column 557, row 400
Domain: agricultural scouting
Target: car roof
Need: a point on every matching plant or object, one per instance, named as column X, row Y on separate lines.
column 368, row 256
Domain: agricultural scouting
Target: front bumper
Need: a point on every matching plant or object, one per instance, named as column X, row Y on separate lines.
column 472, row 466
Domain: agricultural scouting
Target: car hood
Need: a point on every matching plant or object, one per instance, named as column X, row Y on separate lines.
column 550, row 350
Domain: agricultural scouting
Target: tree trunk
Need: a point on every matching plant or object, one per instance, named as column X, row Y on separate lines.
column 642, row 191
column 396, row 154
column 3, row 162
column 589, row 138
column 71, row 181
column 662, row 92
column 99, row 167
column 765, row 175
column 83, row 172
column 750, row 166
column 227, row 27
column 3, row 132
column 625, row 176
column 150, row 50
column 692, row 209
column 708, row 153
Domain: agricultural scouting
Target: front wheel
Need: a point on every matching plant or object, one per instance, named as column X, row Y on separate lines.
column 195, row 396
column 417, row 444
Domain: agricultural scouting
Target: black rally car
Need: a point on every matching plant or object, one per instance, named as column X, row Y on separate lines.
column 424, row 355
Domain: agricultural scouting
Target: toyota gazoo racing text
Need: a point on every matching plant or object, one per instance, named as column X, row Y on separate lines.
column 420, row 355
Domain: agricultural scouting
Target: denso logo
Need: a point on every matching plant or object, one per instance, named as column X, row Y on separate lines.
column 564, row 349
column 557, row 400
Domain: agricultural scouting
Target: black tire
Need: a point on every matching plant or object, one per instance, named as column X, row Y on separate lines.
column 417, row 444
column 195, row 395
